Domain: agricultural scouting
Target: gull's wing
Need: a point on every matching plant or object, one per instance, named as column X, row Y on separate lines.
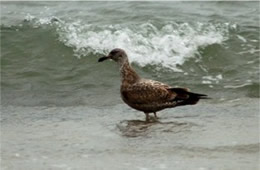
column 148, row 91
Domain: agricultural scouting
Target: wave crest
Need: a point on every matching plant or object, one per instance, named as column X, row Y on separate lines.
column 167, row 45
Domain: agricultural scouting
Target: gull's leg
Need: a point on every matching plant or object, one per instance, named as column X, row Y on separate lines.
column 147, row 118
column 155, row 115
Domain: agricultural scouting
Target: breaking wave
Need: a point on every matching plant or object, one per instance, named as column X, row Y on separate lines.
column 167, row 45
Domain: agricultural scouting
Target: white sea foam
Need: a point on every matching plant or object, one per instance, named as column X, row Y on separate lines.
column 212, row 79
column 169, row 45
column 237, row 86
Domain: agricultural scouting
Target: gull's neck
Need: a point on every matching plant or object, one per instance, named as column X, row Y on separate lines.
column 127, row 73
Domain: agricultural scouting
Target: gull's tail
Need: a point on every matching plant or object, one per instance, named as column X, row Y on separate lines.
column 184, row 97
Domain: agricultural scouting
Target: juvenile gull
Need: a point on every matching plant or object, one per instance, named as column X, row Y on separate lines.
column 145, row 95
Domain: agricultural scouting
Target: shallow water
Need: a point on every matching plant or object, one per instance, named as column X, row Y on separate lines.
column 207, row 136
column 61, row 109
column 50, row 57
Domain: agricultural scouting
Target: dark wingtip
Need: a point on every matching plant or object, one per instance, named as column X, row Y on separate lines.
column 201, row 96
column 204, row 97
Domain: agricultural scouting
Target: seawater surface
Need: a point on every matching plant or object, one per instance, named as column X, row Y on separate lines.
column 61, row 109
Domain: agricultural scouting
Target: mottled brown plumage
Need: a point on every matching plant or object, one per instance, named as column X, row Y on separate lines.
column 145, row 95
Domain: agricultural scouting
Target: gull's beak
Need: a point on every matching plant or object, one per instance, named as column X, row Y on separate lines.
column 103, row 58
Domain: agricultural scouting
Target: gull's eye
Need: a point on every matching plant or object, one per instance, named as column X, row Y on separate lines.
column 114, row 52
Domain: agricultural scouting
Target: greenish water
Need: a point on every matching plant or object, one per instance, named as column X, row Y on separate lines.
column 61, row 109
column 50, row 57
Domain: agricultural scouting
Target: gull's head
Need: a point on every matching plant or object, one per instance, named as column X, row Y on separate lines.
column 117, row 54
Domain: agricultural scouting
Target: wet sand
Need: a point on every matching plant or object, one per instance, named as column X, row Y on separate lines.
column 206, row 136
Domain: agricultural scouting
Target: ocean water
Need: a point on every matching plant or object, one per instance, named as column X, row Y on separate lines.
column 58, row 103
